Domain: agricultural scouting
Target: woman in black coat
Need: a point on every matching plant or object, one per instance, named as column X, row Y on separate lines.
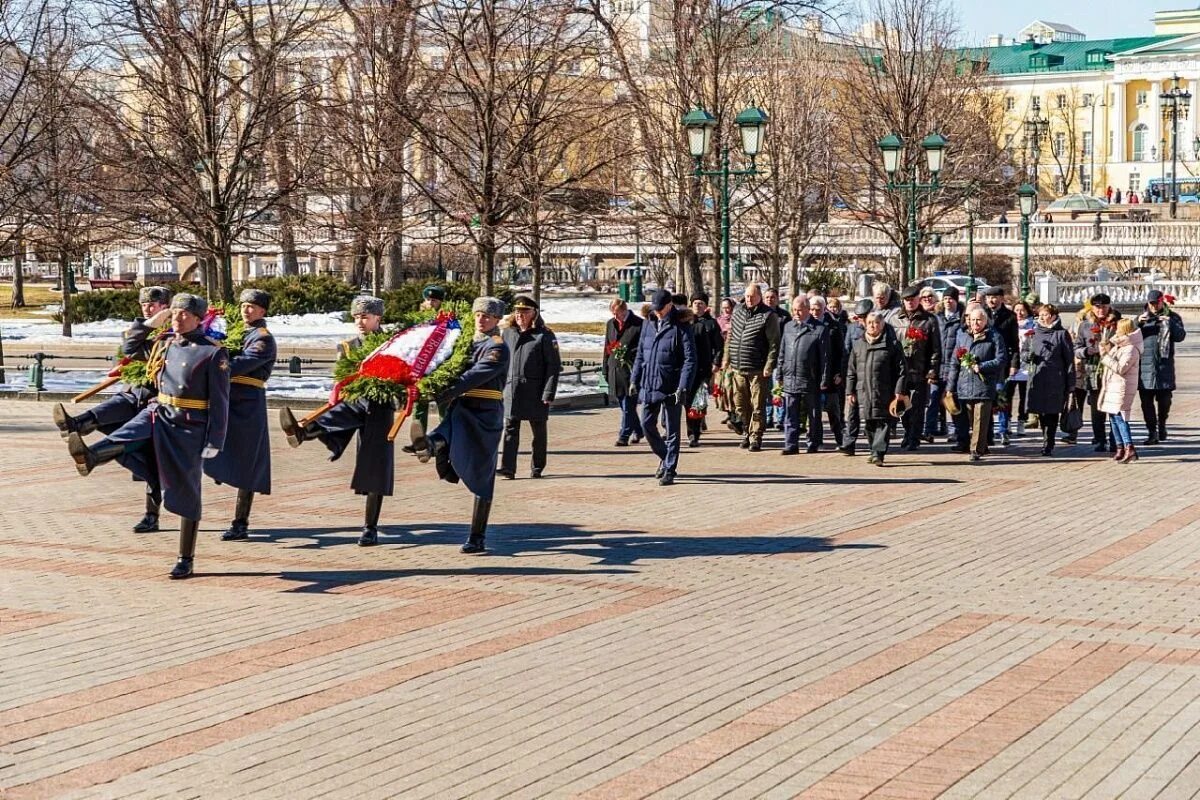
column 623, row 330
column 1051, row 366
column 533, row 369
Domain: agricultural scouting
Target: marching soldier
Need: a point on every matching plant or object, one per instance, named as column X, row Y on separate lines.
column 136, row 344
column 184, row 424
column 374, row 470
column 464, row 445
column 245, row 462
column 534, row 365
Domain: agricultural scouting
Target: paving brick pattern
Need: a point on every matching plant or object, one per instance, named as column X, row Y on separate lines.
column 769, row 627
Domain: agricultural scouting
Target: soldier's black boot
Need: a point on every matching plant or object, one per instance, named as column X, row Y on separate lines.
column 370, row 531
column 420, row 442
column 240, row 527
column 479, row 520
column 187, row 548
column 84, row 424
column 88, row 458
column 149, row 522
column 296, row 434
column 441, row 459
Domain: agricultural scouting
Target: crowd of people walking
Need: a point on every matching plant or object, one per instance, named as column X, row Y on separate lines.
column 911, row 366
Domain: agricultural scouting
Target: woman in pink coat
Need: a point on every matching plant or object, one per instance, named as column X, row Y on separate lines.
column 1119, row 358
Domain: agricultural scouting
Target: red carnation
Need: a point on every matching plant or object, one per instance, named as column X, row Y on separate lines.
column 960, row 352
column 388, row 368
column 916, row 334
column 1169, row 299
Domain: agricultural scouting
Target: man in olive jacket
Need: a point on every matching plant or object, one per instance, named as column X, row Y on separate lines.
column 532, row 382
column 751, row 351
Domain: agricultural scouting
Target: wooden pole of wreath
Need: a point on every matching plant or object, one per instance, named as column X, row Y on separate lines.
column 403, row 414
column 309, row 418
column 99, row 387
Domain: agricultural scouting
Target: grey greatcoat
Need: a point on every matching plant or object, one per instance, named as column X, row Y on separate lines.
column 876, row 373
column 245, row 461
column 533, row 369
column 136, row 343
column 1051, row 366
column 374, row 463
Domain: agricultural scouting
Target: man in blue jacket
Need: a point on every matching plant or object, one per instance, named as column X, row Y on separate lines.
column 663, row 368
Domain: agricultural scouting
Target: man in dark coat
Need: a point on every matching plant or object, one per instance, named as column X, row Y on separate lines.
column 185, row 423
column 374, row 467
column 1161, row 330
column 876, row 381
column 709, row 346
column 805, row 371
column 621, row 336
column 663, row 369
column 1096, row 325
column 533, row 369
column 1051, row 373
column 855, row 330
column 918, row 335
column 245, row 462
column 137, row 342
column 464, row 445
column 833, row 399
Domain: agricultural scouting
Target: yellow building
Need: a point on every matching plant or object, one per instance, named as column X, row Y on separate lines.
column 1078, row 109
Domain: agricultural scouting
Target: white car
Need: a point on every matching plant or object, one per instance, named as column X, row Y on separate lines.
column 941, row 283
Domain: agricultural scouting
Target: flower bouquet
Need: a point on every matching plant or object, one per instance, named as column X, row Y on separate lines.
column 620, row 353
column 965, row 358
column 913, row 337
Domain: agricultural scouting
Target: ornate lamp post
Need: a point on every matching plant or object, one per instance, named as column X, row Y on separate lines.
column 1027, row 200
column 699, row 124
column 892, row 149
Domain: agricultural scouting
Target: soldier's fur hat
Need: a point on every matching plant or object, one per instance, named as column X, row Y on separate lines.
column 189, row 302
column 154, row 294
column 366, row 304
column 256, row 296
column 492, row 306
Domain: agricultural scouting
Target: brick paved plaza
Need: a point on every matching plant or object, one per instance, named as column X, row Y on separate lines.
column 810, row 626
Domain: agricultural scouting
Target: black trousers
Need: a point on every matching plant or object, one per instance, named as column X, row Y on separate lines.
column 878, row 434
column 853, row 424
column 512, row 443
column 1156, row 406
column 914, row 418
column 1049, row 425
column 831, row 403
column 1100, row 430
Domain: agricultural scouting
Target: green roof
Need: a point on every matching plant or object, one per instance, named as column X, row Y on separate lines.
column 1027, row 57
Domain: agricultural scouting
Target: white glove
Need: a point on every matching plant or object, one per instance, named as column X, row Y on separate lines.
column 209, row 452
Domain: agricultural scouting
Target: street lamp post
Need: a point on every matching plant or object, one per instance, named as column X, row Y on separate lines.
column 971, row 204
column 1171, row 100
column 1028, row 203
column 892, row 148
column 699, row 124
column 1036, row 130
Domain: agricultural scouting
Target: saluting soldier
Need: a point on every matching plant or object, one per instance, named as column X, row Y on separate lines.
column 374, row 468
column 184, row 424
column 136, row 343
column 533, row 369
column 245, row 462
column 464, row 445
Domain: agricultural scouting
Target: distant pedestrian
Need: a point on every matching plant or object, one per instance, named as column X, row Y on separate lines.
column 1050, row 362
column 982, row 361
column 621, row 335
column 1120, row 357
column 875, row 382
column 751, row 352
column 533, row 368
column 663, row 369
column 1161, row 330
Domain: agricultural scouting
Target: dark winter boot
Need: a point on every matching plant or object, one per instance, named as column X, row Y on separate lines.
column 441, row 460
column 479, row 521
column 1047, row 440
column 370, row 531
column 295, row 432
column 240, row 527
column 84, row 424
column 187, row 548
column 88, row 458
column 149, row 522
column 693, row 429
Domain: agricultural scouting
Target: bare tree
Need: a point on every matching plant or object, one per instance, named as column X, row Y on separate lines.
column 200, row 91
column 912, row 79
column 1066, row 136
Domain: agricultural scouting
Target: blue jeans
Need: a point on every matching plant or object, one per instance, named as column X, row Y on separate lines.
column 630, row 425
column 1120, row 430
column 795, row 408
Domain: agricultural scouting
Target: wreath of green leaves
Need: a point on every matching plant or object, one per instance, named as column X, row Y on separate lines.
column 433, row 384
column 134, row 373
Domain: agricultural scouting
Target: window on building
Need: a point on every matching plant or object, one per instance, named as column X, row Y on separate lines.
column 1112, row 142
column 1060, row 185
column 1088, row 99
column 1141, row 97
column 1085, row 180
column 1060, row 144
column 1086, row 149
column 1135, row 182
column 1010, row 103
column 1060, row 101
column 1141, row 135
column 1035, row 103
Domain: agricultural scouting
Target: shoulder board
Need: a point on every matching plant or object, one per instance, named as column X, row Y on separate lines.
column 496, row 339
column 263, row 331
column 346, row 347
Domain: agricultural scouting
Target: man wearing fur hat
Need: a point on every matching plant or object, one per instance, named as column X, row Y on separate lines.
column 137, row 342
column 464, row 445
column 533, row 369
column 245, row 462
column 374, row 467
column 185, row 423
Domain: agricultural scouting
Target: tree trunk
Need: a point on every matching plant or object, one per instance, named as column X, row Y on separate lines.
column 535, row 263
column 487, row 262
column 18, row 282
column 289, row 263
column 64, row 280
column 794, row 267
column 395, row 262
column 375, row 254
column 694, row 273
column 358, row 262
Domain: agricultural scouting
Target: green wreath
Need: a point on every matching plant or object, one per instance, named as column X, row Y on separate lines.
column 135, row 374
column 433, row 384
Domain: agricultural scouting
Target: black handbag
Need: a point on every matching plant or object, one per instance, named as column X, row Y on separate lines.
column 1072, row 420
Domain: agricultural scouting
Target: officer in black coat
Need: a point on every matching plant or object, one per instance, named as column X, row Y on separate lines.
column 374, row 467
column 185, row 423
column 136, row 344
column 533, row 369
column 464, row 445
column 245, row 462
column 710, row 348
column 624, row 329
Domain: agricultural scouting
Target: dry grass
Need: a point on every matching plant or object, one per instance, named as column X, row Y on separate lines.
column 578, row 327
column 37, row 297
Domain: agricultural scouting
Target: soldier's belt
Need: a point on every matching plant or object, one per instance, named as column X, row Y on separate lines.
column 182, row 402
column 484, row 394
column 246, row 380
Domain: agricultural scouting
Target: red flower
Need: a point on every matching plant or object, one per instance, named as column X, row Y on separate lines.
column 388, row 368
column 916, row 334
column 960, row 352
column 695, row 413
column 717, row 391
column 1029, row 332
column 1095, row 329
column 1169, row 299
column 777, row 401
